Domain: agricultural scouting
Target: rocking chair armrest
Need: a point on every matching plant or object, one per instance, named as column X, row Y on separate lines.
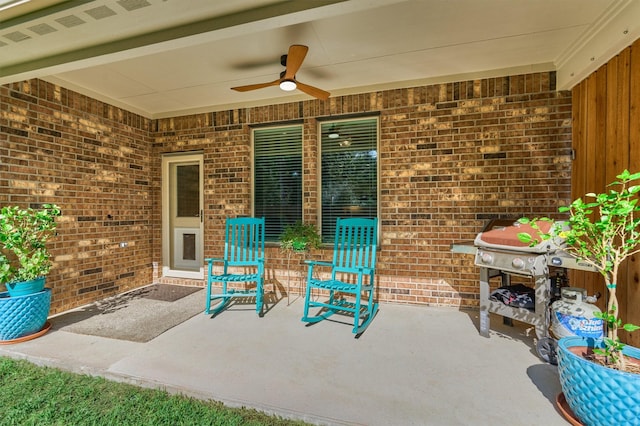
column 359, row 270
column 214, row 260
column 318, row 263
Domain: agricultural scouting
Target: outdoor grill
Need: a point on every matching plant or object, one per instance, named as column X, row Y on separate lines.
column 499, row 253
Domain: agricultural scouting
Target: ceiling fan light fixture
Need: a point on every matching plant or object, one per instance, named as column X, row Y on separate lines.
column 288, row 85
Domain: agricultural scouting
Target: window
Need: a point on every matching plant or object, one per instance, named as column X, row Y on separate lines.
column 349, row 167
column 277, row 190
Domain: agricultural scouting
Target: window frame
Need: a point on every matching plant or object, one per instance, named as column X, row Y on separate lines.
column 272, row 238
column 328, row 237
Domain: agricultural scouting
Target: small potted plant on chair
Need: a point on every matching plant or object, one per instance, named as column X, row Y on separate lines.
column 24, row 262
column 600, row 379
column 299, row 238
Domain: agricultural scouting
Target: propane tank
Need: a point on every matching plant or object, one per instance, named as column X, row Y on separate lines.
column 572, row 315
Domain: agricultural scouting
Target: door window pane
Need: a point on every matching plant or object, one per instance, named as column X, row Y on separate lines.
column 188, row 196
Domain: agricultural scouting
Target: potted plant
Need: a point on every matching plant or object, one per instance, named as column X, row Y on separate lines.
column 298, row 238
column 602, row 230
column 24, row 256
column 24, row 262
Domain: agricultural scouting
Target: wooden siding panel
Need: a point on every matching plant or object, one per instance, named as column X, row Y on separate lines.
column 596, row 119
column 623, row 116
column 611, row 136
column 596, row 169
column 633, row 270
column 620, row 150
column 578, row 109
column 606, row 132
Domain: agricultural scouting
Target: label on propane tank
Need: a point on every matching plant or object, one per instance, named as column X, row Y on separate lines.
column 580, row 326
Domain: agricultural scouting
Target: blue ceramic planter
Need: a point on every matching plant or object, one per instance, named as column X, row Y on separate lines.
column 23, row 288
column 597, row 395
column 23, row 315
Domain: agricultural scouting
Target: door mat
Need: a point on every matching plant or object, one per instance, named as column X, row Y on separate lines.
column 137, row 316
column 165, row 292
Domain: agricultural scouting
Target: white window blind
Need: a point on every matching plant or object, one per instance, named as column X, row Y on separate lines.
column 277, row 156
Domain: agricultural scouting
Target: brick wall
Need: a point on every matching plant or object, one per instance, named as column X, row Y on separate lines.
column 93, row 160
column 451, row 157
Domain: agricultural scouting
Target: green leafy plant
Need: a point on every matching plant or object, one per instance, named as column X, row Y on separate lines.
column 23, row 237
column 602, row 230
column 300, row 237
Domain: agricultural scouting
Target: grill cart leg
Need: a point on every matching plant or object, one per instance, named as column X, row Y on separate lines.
column 485, row 276
column 485, row 322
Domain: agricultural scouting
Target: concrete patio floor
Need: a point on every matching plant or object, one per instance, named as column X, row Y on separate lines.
column 413, row 366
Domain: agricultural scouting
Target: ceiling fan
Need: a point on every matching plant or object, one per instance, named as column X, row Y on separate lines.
column 287, row 81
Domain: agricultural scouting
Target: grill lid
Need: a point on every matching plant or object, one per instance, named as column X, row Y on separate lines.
column 506, row 238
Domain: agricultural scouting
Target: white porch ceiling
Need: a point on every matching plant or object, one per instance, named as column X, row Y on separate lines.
column 163, row 58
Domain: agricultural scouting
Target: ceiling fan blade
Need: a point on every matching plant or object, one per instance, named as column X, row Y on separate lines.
column 256, row 86
column 313, row 91
column 296, row 55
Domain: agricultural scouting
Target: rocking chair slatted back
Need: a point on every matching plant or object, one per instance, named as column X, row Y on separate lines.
column 244, row 241
column 355, row 245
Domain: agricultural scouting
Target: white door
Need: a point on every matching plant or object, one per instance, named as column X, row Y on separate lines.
column 182, row 207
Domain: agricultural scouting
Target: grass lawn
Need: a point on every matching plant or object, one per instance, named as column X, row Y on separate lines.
column 33, row 395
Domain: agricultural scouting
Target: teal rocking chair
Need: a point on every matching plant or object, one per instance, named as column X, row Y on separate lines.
column 243, row 262
column 352, row 275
